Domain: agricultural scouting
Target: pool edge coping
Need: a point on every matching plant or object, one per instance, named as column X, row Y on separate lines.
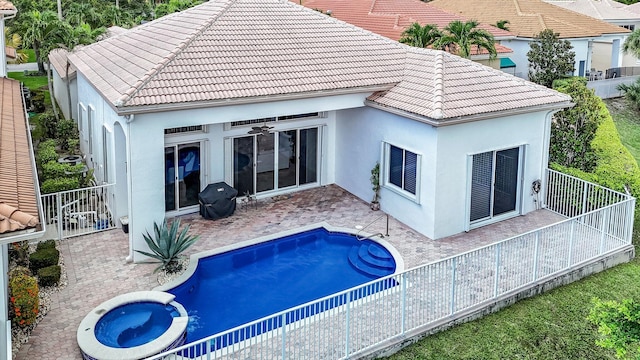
column 194, row 258
column 92, row 347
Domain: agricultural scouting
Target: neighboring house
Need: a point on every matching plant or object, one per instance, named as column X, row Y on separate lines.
column 169, row 106
column 61, row 76
column 20, row 208
column 527, row 18
column 612, row 12
column 390, row 18
column 7, row 11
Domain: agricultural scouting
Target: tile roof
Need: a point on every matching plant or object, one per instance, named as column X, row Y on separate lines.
column 249, row 50
column 7, row 6
column 599, row 9
column 390, row 18
column 58, row 59
column 454, row 87
column 634, row 8
column 527, row 18
column 18, row 196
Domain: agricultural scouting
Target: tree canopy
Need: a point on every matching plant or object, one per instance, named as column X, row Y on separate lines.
column 458, row 37
column 550, row 58
column 573, row 129
column 632, row 44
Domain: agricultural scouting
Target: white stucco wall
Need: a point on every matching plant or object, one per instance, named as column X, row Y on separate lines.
column 60, row 94
column 457, row 143
column 444, row 190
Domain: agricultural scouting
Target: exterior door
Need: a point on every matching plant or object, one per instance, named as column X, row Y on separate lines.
column 275, row 161
column 182, row 175
column 494, row 184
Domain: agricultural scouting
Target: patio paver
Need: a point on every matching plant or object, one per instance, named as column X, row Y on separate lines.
column 97, row 270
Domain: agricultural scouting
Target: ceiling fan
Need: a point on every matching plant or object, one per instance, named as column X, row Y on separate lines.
column 261, row 130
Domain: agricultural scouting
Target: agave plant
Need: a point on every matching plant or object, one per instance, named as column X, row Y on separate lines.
column 168, row 244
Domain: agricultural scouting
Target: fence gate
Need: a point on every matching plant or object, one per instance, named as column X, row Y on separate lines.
column 78, row 212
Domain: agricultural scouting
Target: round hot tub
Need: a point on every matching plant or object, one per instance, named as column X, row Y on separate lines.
column 133, row 326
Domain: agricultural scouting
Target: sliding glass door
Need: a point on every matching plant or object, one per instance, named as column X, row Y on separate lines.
column 274, row 161
column 494, row 184
column 182, row 175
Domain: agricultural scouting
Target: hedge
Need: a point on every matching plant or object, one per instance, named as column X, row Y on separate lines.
column 616, row 168
column 43, row 258
column 54, row 169
column 47, row 244
column 49, row 275
column 24, row 301
column 59, row 184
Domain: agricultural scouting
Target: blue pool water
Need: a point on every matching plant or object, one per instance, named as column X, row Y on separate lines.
column 237, row 287
column 134, row 324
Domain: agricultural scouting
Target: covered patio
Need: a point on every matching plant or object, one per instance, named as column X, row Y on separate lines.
column 97, row 270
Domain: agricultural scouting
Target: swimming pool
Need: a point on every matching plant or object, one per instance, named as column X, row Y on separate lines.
column 231, row 287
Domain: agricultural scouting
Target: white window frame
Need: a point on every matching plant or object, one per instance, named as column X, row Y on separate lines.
column 106, row 150
column 385, row 167
column 90, row 118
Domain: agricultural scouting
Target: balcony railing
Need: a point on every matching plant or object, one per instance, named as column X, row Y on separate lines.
column 355, row 321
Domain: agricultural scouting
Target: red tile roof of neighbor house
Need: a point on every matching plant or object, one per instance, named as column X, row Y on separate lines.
column 527, row 18
column 18, row 196
column 226, row 51
column 390, row 18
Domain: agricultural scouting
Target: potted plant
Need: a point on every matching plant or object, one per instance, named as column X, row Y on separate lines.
column 375, row 186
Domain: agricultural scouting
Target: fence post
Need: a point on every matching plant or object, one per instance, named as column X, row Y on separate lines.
column 346, row 342
column 571, row 235
column 535, row 256
column 584, row 198
column 453, row 286
column 59, row 215
column 404, row 302
column 605, row 224
column 497, row 273
column 284, row 336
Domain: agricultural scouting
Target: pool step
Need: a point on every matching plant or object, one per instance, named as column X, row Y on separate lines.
column 371, row 259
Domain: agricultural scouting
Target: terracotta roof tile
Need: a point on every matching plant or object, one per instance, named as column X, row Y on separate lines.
column 18, row 196
column 241, row 49
column 600, row 9
column 390, row 18
column 7, row 6
column 459, row 87
column 527, row 18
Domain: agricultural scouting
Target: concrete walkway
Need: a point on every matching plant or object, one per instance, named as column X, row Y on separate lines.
column 22, row 67
column 97, row 270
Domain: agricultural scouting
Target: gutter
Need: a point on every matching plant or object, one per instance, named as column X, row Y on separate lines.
column 123, row 111
column 469, row 118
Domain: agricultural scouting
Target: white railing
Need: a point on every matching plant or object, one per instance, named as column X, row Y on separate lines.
column 357, row 320
column 79, row 212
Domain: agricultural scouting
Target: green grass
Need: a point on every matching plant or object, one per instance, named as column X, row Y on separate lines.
column 552, row 325
column 627, row 122
column 32, row 82
column 31, row 54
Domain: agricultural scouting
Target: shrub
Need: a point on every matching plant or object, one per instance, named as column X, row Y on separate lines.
column 43, row 258
column 618, row 325
column 24, row 300
column 54, row 169
column 49, row 275
column 19, row 252
column 47, row 244
column 37, row 100
column 48, row 124
column 631, row 93
column 168, row 244
column 65, row 131
column 46, row 152
column 59, row 184
column 74, row 145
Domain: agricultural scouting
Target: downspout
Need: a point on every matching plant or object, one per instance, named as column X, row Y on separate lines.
column 129, row 119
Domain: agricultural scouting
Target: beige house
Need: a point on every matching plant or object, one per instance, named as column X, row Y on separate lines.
column 527, row 18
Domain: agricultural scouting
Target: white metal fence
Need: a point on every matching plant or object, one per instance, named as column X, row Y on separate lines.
column 351, row 322
column 79, row 212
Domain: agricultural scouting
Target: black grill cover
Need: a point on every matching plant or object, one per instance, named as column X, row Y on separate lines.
column 217, row 201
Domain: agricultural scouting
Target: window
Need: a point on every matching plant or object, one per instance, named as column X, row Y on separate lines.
column 90, row 116
column 402, row 171
column 184, row 129
column 628, row 27
column 106, row 149
column 274, row 119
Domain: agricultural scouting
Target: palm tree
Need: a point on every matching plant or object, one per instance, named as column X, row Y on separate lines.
column 420, row 36
column 460, row 38
column 43, row 32
column 632, row 44
column 14, row 40
column 73, row 36
column 502, row 24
